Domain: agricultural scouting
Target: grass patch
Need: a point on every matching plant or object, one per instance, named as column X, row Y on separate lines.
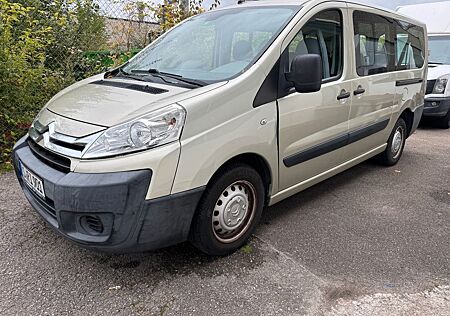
column 247, row 249
column 6, row 167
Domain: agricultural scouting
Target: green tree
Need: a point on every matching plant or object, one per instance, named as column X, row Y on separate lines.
column 46, row 45
column 25, row 83
column 77, row 26
column 170, row 13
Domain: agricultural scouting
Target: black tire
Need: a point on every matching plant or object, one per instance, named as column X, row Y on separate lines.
column 390, row 157
column 445, row 121
column 205, row 233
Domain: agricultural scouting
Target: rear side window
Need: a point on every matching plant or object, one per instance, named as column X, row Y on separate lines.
column 410, row 40
column 384, row 45
column 374, row 43
column 322, row 35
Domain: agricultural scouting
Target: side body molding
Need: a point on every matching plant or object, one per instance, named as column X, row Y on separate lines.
column 335, row 144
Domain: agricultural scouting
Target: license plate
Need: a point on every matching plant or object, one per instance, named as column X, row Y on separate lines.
column 32, row 181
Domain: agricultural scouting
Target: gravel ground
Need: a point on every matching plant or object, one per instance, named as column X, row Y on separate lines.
column 371, row 241
column 433, row 302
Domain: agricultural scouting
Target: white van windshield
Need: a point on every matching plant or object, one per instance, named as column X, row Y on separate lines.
column 213, row 46
column 439, row 49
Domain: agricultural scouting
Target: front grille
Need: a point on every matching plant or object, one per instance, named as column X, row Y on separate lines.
column 50, row 158
column 47, row 205
column 430, row 86
column 58, row 144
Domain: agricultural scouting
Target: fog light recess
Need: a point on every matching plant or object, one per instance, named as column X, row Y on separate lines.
column 92, row 224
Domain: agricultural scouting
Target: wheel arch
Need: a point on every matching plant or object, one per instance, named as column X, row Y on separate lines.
column 254, row 160
column 408, row 116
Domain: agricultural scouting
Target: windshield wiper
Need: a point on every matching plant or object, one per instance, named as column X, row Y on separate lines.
column 122, row 73
column 154, row 74
column 160, row 74
column 435, row 63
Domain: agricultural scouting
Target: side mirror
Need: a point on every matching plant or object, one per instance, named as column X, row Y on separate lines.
column 306, row 73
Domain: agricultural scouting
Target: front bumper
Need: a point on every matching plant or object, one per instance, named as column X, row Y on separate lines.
column 436, row 107
column 107, row 211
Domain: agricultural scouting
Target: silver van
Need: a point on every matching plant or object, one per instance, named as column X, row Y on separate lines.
column 437, row 96
column 228, row 112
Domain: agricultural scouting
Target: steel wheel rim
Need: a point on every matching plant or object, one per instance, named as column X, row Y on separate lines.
column 234, row 211
column 397, row 142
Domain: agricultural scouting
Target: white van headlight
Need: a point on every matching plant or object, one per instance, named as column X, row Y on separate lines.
column 440, row 86
column 154, row 129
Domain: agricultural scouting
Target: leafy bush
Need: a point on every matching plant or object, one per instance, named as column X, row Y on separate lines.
column 105, row 59
column 42, row 46
column 25, row 83
column 47, row 45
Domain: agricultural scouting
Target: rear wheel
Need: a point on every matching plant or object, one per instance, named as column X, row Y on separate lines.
column 396, row 144
column 229, row 211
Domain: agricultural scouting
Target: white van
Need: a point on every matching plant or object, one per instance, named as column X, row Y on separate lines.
column 437, row 99
column 228, row 112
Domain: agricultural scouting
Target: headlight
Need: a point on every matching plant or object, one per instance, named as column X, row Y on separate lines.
column 154, row 129
column 441, row 85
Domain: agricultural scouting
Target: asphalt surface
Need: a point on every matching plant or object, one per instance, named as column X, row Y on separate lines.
column 370, row 241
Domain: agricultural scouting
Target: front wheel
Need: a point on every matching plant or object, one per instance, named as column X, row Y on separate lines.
column 395, row 146
column 229, row 211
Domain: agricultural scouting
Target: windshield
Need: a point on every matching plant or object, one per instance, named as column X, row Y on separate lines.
column 214, row 46
column 439, row 49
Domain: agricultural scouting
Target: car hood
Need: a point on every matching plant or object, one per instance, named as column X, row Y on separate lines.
column 107, row 102
column 435, row 71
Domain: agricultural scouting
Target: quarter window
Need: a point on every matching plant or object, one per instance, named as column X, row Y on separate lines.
column 409, row 50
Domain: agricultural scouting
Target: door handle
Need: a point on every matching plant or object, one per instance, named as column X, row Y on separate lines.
column 359, row 91
column 344, row 95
